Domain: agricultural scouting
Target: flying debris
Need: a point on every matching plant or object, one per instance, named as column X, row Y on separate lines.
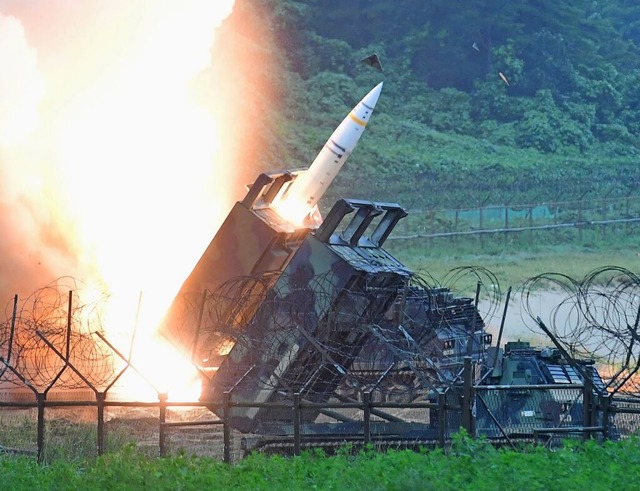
column 475, row 46
column 373, row 61
column 504, row 79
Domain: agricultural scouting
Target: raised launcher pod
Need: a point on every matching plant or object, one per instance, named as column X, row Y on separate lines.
column 315, row 319
column 252, row 239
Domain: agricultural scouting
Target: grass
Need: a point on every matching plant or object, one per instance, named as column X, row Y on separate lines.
column 65, row 439
column 513, row 266
column 467, row 464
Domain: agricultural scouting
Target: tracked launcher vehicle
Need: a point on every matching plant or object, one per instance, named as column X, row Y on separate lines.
column 280, row 308
column 315, row 318
column 326, row 313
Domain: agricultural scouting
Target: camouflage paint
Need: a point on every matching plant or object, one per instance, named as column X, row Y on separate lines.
column 252, row 239
column 306, row 336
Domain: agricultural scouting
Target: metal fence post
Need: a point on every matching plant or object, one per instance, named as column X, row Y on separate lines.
column 580, row 219
column 367, row 417
column 466, row 395
column 626, row 214
column 442, row 414
column 556, row 210
column 506, row 223
column 162, row 406
column 100, row 397
column 481, row 225
column 226, row 428
column 587, row 401
column 456, row 220
column 40, row 398
column 296, row 423
column 606, row 406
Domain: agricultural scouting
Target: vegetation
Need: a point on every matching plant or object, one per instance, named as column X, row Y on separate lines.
column 468, row 464
column 449, row 131
column 65, row 439
column 513, row 263
column 493, row 102
column 448, row 128
column 515, row 268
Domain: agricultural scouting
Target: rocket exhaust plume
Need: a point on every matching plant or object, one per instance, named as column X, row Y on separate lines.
column 302, row 196
column 105, row 153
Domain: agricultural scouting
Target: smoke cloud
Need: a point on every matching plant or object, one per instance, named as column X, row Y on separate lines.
column 109, row 165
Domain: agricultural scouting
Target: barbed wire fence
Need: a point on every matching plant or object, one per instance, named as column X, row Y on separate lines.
column 596, row 317
column 48, row 321
column 559, row 220
column 269, row 328
column 53, row 340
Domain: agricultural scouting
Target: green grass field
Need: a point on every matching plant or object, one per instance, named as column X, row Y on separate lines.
column 514, row 266
column 468, row 464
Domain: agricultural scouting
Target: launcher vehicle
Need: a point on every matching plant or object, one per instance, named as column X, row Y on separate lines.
column 325, row 312
column 283, row 302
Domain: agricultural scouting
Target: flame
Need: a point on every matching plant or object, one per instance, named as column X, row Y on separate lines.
column 23, row 90
column 159, row 369
column 102, row 140
column 295, row 210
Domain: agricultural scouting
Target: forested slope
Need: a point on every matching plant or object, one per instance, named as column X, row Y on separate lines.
column 483, row 99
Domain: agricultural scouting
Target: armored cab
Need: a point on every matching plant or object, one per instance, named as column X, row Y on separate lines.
column 531, row 389
column 522, row 364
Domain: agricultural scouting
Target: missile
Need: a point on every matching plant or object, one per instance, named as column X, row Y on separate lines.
column 302, row 196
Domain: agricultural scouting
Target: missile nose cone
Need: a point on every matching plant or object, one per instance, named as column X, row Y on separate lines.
column 371, row 98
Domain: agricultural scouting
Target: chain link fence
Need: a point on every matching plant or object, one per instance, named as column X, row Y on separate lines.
column 559, row 221
column 543, row 414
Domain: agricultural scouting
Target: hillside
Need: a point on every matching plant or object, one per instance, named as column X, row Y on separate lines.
column 498, row 101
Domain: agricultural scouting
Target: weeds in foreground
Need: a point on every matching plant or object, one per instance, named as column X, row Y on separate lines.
column 467, row 464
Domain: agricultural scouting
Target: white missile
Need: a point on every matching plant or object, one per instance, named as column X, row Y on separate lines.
column 308, row 187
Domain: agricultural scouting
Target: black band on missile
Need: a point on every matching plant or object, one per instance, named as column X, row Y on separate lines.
column 339, row 155
column 341, row 148
column 369, row 108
